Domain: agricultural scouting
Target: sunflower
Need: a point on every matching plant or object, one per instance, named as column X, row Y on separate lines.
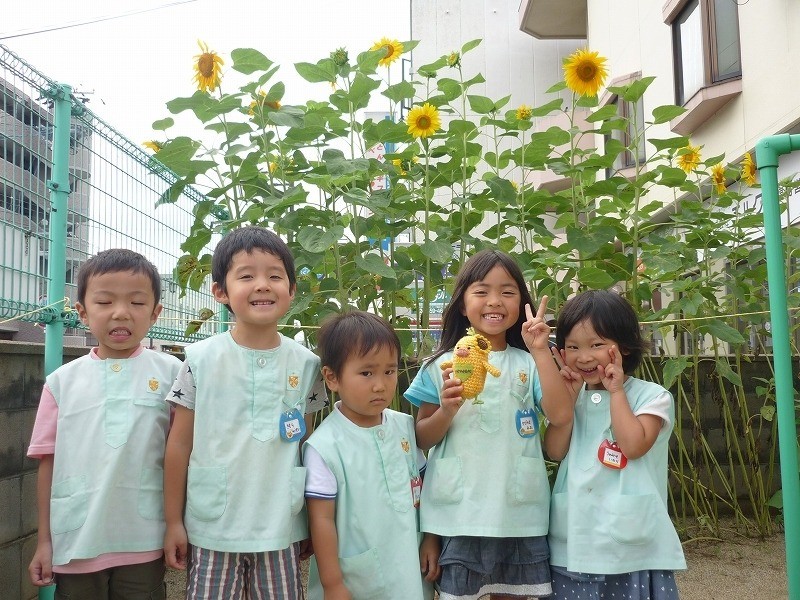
column 718, row 177
column 689, row 158
column 393, row 50
column 749, row 170
column 208, row 68
column 524, row 112
column 398, row 164
column 273, row 166
column 153, row 145
column 585, row 72
column 454, row 59
column 423, row 121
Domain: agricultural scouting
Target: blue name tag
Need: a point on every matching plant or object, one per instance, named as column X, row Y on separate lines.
column 527, row 422
column 292, row 426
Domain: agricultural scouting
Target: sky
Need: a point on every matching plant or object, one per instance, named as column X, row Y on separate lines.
column 131, row 66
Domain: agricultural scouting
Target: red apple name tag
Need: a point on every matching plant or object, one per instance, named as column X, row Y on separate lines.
column 416, row 489
column 611, row 456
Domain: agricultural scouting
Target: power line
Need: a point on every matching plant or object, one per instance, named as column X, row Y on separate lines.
column 26, row 32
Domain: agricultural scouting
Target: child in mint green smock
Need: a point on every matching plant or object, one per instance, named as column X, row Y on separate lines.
column 610, row 533
column 364, row 474
column 486, row 490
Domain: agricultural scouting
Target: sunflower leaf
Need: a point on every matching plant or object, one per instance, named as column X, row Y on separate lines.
column 399, row 91
column 323, row 71
column 470, row 45
column 163, row 124
column 249, row 60
column 316, row 240
column 664, row 114
column 373, row 263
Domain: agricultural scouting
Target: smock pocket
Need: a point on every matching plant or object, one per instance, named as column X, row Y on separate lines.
column 528, row 484
column 69, row 504
column 298, row 488
column 558, row 518
column 151, row 494
column 363, row 576
column 489, row 415
column 207, row 492
column 151, row 402
column 630, row 518
column 445, row 480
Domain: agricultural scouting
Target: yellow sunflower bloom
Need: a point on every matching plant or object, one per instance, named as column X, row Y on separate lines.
column 524, row 112
column 208, row 68
column 718, row 177
column 749, row 170
column 153, row 145
column 585, row 72
column 454, row 59
column 398, row 164
column 689, row 158
column 273, row 166
column 423, row 121
column 393, row 50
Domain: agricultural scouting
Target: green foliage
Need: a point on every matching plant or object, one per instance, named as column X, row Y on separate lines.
column 686, row 256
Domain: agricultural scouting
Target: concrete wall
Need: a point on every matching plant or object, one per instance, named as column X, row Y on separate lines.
column 21, row 379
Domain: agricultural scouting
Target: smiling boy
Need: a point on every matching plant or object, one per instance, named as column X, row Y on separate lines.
column 233, row 481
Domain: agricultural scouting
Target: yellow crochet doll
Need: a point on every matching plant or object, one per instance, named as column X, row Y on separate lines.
column 471, row 363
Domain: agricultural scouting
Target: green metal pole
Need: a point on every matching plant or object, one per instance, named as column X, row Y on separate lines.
column 767, row 152
column 57, row 254
column 59, row 196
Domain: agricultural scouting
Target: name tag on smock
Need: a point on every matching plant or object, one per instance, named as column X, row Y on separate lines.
column 292, row 426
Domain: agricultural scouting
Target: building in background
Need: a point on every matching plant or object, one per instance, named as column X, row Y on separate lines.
column 26, row 135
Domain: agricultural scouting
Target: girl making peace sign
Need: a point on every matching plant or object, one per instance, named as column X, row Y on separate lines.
column 610, row 534
column 486, row 490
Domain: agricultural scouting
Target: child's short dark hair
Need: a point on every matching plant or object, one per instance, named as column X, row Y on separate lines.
column 248, row 239
column 611, row 316
column 353, row 333
column 116, row 260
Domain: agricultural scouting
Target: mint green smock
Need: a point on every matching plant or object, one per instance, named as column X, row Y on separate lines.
column 108, row 464
column 376, row 521
column 245, row 486
column 483, row 478
column 610, row 521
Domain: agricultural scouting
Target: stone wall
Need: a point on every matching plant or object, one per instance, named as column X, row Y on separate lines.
column 21, row 379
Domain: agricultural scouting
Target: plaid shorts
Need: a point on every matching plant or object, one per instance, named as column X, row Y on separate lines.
column 213, row 575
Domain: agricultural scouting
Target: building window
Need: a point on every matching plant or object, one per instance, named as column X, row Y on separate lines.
column 706, row 45
column 629, row 128
column 632, row 136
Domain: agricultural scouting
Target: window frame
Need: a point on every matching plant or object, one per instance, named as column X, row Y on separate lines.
column 675, row 13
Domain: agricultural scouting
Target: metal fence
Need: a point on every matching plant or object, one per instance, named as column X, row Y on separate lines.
column 114, row 187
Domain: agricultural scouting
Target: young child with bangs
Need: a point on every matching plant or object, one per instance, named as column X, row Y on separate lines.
column 610, row 532
column 233, row 491
column 365, row 473
column 487, row 492
column 99, row 435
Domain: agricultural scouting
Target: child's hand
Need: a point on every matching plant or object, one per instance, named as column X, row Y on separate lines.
column 176, row 546
column 535, row 332
column 429, row 551
column 41, row 567
column 451, row 393
column 306, row 549
column 613, row 376
column 337, row 592
column 572, row 379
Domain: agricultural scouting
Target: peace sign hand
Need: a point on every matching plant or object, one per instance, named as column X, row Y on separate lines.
column 613, row 376
column 535, row 332
column 572, row 379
